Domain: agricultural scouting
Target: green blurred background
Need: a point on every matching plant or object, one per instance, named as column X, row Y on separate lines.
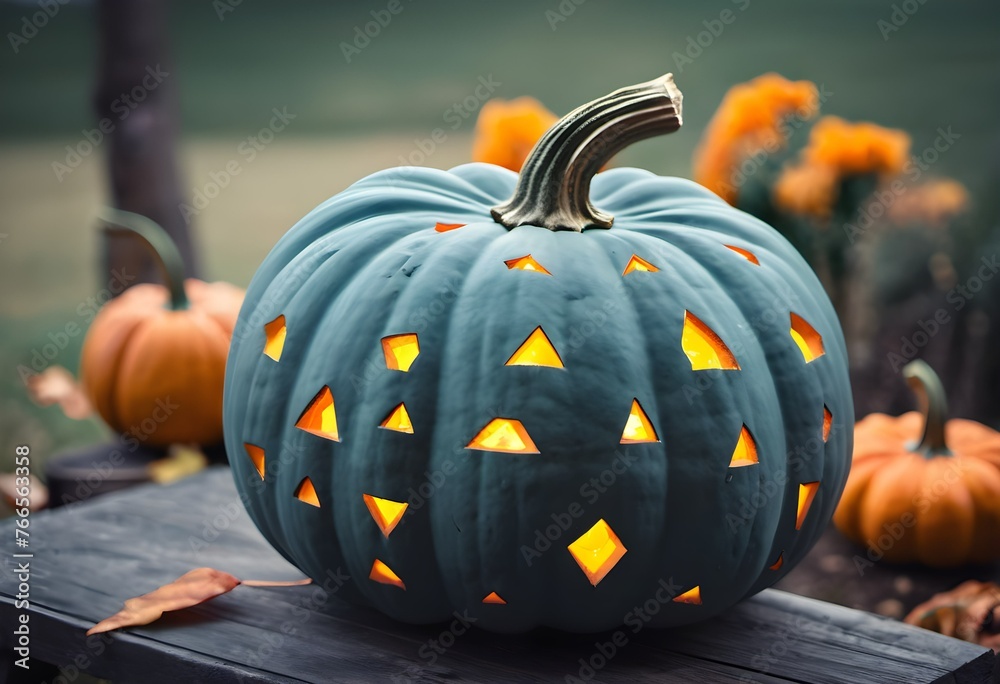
column 940, row 69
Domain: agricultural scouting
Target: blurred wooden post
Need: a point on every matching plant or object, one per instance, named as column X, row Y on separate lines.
column 137, row 111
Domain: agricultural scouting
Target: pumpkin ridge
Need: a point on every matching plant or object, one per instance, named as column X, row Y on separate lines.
column 109, row 397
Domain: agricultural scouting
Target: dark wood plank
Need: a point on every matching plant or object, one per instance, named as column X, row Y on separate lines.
column 89, row 558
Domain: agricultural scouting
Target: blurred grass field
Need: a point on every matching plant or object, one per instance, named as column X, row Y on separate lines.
column 940, row 69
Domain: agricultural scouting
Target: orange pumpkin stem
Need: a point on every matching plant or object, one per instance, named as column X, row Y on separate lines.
column 925, row 383
column 553, row 189
column 160, row 243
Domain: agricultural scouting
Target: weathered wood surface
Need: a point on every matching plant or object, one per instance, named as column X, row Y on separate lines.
column 90, row 557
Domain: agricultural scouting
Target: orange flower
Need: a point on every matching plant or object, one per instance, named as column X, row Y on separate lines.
column 854, row 149
column 506, row 131
column 750, row 120
column 838, row 149
column 806, row 189
column 935, row 203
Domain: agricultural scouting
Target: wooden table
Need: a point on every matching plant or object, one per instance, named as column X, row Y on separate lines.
column 89, row 558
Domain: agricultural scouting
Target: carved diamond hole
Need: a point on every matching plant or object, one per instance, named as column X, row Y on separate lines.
column 537, row 350
column 597, row 551
column 505, row 435
column 745, row 253
column 445, row 227
column 274, row 337
column 306, row 492
column 827, row 423
column 526, row 263
column 704, row 348
column 256, row 455
column 691, row 596
column 494, row 598
column 638, row 428
column 637, row 263
column 320, row 417
column 386, row 512
column 383, row 575
column 807, row 492
column 398, row 420
column 400, row 351
column 809, row 341
column 745, row 453
column 778, row 563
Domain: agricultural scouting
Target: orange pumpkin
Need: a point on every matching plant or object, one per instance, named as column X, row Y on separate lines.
column 931, row 496
column 154, row 358
column 507, row 131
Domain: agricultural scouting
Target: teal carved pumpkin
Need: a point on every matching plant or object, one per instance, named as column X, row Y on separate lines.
column 472, row 390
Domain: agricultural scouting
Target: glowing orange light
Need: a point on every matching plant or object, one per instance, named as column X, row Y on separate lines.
column 597, row 551
column 809, row 341
column 778, row 563
column 383, row 575
column 638, row 428
column 704, row 348
column 306, row 492
column 256, row 455
column 320, row 417
column 445, row 227
column 398, row 420
column 506, row 435
column 494, row 598
column 537, row 350
column 691, row 596
column 637, row 263
column 386, row 512
column 274, row 337
column 745, row 253
column 526, row 263
column 827, row 423
column 807, row 492
column 400, row 351
column 745, row 453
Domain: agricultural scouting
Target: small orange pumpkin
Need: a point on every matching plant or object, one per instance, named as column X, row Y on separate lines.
column 154, row 358
column 917, row 496
column 507, row 131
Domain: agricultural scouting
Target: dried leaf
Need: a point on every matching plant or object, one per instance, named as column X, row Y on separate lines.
column 181, row 462
column 970, row 611
column 56, row 385
column 190, row 589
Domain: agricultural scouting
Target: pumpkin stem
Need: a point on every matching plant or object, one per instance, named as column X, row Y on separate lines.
column 553, row 189
column 160, row 243
column 925, row 383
